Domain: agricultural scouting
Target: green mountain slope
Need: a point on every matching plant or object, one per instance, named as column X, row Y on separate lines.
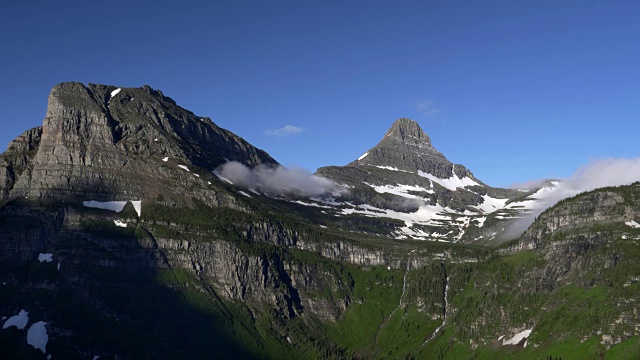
column 204, row 269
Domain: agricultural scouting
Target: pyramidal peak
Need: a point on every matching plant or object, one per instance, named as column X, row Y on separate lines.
column 407, row 131
column 406, row 147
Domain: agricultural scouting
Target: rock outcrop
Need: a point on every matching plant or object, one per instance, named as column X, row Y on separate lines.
column 98, row 140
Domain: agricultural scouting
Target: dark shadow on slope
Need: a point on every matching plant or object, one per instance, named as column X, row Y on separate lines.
column 111, row 297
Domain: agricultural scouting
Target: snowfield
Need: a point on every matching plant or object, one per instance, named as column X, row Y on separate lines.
column 120, row 223
column 401, row 190
column 19, row 321
column 37, row 336
column 490, row 204
column 517, row 338
column 451, row 183
column 633, row 224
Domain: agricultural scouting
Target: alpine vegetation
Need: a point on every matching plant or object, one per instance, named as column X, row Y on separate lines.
column 395, row 255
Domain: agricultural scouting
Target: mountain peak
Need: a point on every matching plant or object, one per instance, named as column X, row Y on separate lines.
column 405, row 146
column 98, row 140
column 408, row 131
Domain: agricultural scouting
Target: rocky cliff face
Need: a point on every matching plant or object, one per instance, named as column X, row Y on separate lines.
column 98, row 140
column 205, row 269
column 407, row 147
column 578, row 215
column 405, row 174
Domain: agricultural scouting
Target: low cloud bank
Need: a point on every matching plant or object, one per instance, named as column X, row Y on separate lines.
column 596, row 174
column 277, row 181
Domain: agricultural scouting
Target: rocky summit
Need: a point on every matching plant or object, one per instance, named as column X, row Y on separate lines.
column 101, row 141
column 121, row 239
column 405, row 178
column 406, row 147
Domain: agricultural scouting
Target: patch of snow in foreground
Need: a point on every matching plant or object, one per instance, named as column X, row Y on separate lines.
column 196, row 175
column 115, row 92
column 45, row 257
column 183, row 167
column 451, row 183
column 165, row 159
column 322, row 226
column 244, row 193
column 116, row 206
column 633, row 224
column 517, row 338
column 363, row 156
column 37, row 336
column 137, row 205
column 120, row 223
column 20, row 321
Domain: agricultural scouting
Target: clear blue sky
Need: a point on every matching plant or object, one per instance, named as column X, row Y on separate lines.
column 514, row 90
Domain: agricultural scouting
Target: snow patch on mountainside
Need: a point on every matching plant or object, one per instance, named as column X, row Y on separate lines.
column 401, row 190
column 363, row 156
column 19, row 321
column 491, row 204
column 451, row 183
column 37, row 336
column 120, row 223
column 392, row 169
column 633, row 224
column 517, row 338
column 223, row 178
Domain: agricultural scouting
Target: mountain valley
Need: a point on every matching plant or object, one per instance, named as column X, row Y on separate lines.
column 125, row 234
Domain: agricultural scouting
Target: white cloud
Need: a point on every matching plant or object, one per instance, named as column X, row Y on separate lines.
column 276, row 181
column 284, row 131
column 597, row 174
